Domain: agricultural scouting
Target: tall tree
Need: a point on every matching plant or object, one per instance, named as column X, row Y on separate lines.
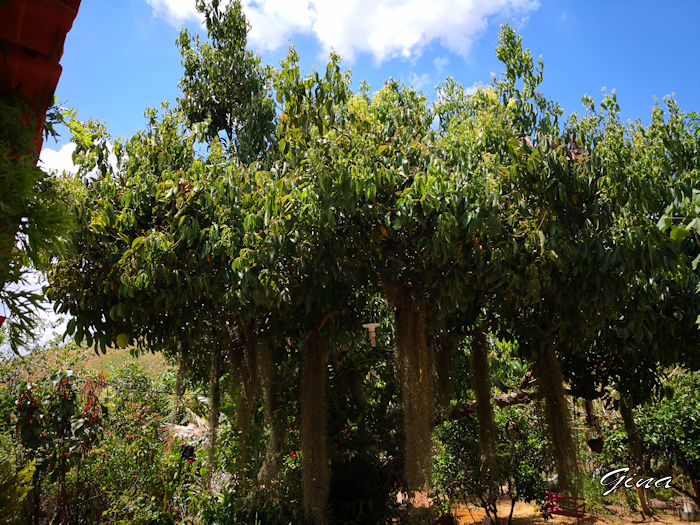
column 225, row 89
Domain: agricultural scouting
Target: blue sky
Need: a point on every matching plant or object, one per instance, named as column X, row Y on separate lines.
column 121, row 57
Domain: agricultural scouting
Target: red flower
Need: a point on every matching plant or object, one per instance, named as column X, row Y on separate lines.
column 189, row 461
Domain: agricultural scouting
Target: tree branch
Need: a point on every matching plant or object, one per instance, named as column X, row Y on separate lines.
column 518, row 397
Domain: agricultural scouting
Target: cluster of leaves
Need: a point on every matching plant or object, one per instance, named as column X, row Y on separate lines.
column 681, row 137
column 33, row 214
column 223, row 70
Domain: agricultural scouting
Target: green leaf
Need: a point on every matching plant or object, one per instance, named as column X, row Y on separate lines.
column 678, row 233
column 664, row 223
column 137, row 243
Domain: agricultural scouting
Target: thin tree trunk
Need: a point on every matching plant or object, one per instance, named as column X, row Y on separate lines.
column 488, row 434
column 358, row 396
column 550, row 381
column 37, row 497
column 593, row 425
column 592, row 419
column 176, row 410
column 245, row 379
column 214, row 410
column 314, row 464
column 266, row 371
column 512, row 507
column 445, row 346
column 635, row 445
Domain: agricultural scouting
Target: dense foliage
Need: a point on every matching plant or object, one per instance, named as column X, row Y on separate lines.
column 33, row 214
column 506, row 256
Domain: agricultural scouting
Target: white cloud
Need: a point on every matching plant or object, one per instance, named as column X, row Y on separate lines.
column 382, row 28
column 272, row 22
column 177, row 12
column 60, row 160
column 471, row 90
column 419, row 81
column 441, row 63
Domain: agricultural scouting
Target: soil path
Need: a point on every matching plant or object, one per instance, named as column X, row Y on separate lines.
column 527, row 514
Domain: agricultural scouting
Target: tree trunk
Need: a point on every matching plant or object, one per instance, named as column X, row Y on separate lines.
column 512, row 507
column 696, row 489
column 214, row 410
column 551, row 384
column 445, row 346
column 415, row 369
column 592, row 419
column 36, row 494
column 266, row 371
column 179, row 385
column 488, row 433
column 635, row 444
column 314, row 464
column 358, row 396
column 245, row 383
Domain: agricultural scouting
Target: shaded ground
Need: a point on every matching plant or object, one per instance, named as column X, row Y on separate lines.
column 527, row 514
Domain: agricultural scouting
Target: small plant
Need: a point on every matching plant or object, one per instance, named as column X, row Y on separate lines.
column 57, row 426
column 15, row 479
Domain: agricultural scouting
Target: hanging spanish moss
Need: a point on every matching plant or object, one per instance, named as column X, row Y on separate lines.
column 266, row 372
column 488, row 434
column 592, row 421
column 214, row 410
column 550, row 381
column 635, row 446
column 415, row 365
column 314, row 465
column 593, row 426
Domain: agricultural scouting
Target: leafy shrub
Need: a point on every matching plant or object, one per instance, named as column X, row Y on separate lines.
column 276, row 503
column 15, row 479
column 670, row 429
column 57, row 425
column 523, row 452
column 133, row 476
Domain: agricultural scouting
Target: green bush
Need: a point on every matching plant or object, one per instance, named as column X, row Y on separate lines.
column 524, row 454
column 133, row 476
column 15, row 479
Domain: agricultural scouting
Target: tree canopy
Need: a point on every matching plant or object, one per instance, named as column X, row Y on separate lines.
column 479, row 214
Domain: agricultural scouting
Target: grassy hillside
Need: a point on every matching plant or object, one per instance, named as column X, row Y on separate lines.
column 85, row 360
